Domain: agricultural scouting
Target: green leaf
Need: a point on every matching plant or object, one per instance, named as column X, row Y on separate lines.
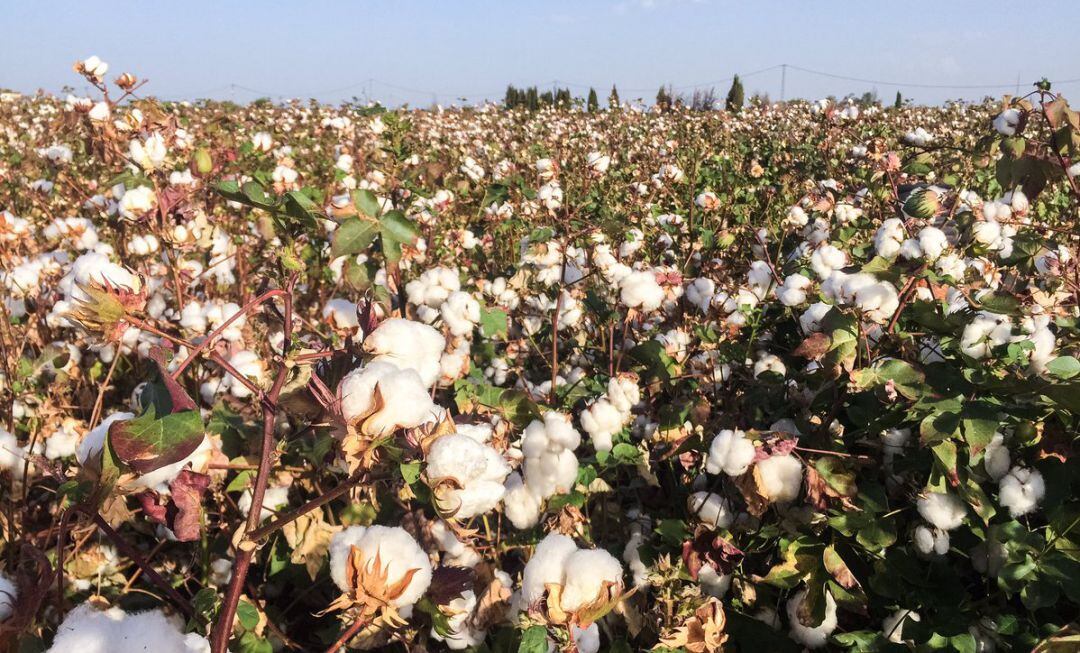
column 1001, row 304
column 352, row 236
column 1064, row 367
column 494, row 323
column 146, row 443
column 252, row 643
column 248, row 615
column 256, row 195
column 534, row 640
column 396, row 230
column 366, row 203
column 410, row 472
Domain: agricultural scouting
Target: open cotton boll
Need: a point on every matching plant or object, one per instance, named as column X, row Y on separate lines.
column 1007, row 122
column 712, row 509
column 996, row 458
column 699, row 293
column 713, row 582
column 520, row 504
column 546, row 566
column 460, row 313
column 247, row 363
column 930, row 541
column 9, row 593
column 817, row 636
column 548, row 446
column 623, row 392
column 944, row 511
column 585, row 573
column 985, row 332
column 781, row 477
column 933, row 242
column 587, row 640
column 457, row 553
column 1021, row 490
column 828, row 259
column 274, row 499
column 892, row 626
column 341, row 314
column 398, row 554
column 432, row 287
column 405, row 399
column 602, row 420
column 730, row 452
column 479, row 469
column 767, row 362
column 89, row 630
column 408, row 345
column 218, row 313
column 889, row 238
column 810, row 320
column 641, row 291
column 877, row 301
column 793, row 291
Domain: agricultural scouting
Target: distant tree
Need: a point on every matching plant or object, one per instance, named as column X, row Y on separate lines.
column 735, row 96
column 868, row 99
column 663, row 99
column 547, row 99
column 563, row 97
column 613, row 98
column 592, row 103
column 532, row 99
column 899, row 101
column 513, row 97
column 703, row 100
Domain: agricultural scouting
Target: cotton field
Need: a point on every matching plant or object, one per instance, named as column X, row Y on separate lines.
column 301, row 377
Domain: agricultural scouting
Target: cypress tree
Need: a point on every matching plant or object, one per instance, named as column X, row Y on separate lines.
column 613, row 98
column 592, row 104
column 899, row 101
column 735, row 95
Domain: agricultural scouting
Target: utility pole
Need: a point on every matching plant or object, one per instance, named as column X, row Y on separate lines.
column 783, row 80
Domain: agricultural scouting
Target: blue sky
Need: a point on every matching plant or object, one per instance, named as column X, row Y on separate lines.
column 418, row 51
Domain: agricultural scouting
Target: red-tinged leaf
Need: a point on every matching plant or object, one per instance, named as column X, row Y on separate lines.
column 154, row 510
column 814, row 347
column 178, row 396
column 146, row 443
column 187, row 492
column 447, row 583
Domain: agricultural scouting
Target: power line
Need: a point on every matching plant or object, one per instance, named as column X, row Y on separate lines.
column 913, row 84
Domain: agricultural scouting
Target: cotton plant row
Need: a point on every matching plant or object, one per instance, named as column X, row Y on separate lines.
column 323, row 378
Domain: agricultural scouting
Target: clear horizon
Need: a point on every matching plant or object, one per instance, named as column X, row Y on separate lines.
column 424, row 52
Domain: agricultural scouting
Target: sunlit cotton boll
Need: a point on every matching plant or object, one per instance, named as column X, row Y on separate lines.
column 781, row 478
column 398, row 554
column 944, row 511
column 730, row 452
column 930, row 541
column 793, row 291
column 985, row 332
column 601, row 420
column 548, row 446
column 889, row 238
column 1021, row 490
column 827, row 259
column 405, row 401
column 89, row 630
column 1007, row 121
column 408, row 345
column 811, row 637
column 460, row 313
column 996, row 459
column 585, row 573
column 641, row 291
column 521, row 505
column 137, row 202
column 477, row 468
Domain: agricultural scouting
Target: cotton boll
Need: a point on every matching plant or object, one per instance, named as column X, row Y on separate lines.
column 827, row 259
column 479, row 469
column 587, row 640
column 405, row 399
column 817, row 636
column 730, row 452
column 769, row 363
column 713, row 583
column 460, row 313
column 781, row 478
column 408, row 345
column 712, row 509
column 1021, row 490
column 996, row 458
column 248, row 364
column 623, row 393
column 89, row 630
column 930, row 541
column 911, row 250
column 933, row 242
column 457, row 553
column 274, row 499
column 9, row 594
column 520, row 504
column 892, row 627
column 601, row 420
column 432, row 287
column 793, row 292
column 585, row 573
column 1007, row 122
column 893, row 442
column 699, row 293
column 985, row 332
column 944, row 511
column 640, row 290
column 546, row 566
column 889, row 238
column 810, row 320
column 398, row 554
